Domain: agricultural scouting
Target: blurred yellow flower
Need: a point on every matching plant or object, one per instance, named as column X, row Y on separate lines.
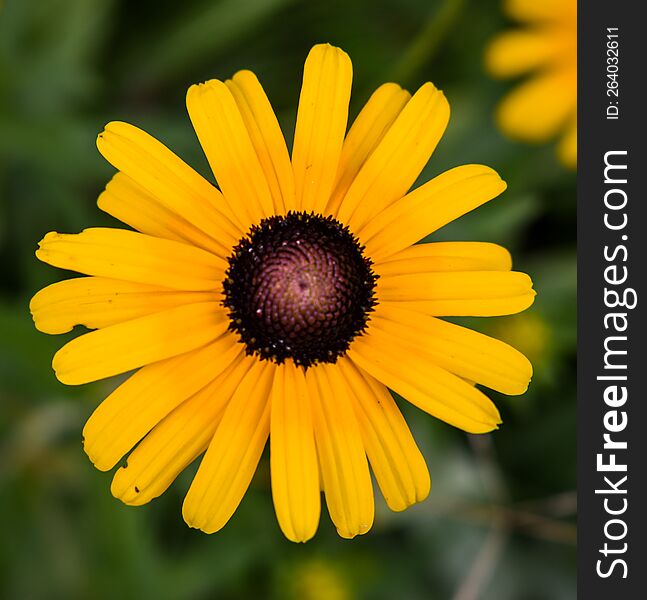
column 283, row 304
column 318, row 579
column 544, row 47
column 527, row 331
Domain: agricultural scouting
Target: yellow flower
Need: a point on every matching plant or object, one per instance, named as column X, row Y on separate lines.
column 284, row 303
column 545, row 105
column 316, row 579
column 529, row 332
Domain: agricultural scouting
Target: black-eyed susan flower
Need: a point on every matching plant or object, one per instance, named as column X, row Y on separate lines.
column 545, row 48
column 283, row 304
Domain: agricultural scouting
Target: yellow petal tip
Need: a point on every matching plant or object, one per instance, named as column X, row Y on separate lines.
column 66, row 378
column 114, row 127
column 300, row 538
column 193, row 91
column 350, row 534
column 318, row 50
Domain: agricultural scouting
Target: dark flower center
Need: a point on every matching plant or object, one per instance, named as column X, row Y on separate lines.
column 298, row 286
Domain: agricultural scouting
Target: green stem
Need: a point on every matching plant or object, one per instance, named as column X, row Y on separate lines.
column 425, row 45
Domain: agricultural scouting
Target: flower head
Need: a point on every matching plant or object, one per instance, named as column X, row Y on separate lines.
column 544, row 47
column 283, row 304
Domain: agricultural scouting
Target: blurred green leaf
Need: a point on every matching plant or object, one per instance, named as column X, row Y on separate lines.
column 204, row 29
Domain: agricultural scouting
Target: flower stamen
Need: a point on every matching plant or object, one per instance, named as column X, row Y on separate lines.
column 298, row 286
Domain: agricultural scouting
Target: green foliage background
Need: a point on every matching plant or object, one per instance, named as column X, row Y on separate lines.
column 499, row 524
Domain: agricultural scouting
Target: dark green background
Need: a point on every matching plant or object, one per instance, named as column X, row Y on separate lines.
column 500, row 522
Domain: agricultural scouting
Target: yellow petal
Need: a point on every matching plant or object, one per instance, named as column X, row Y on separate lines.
column 516, row 52
column 567, row 149
column 466, row 353
column 233, row 454
column 399, row 158
column 429, row 207
column 169, row 180
column 399, row 467
column 125, row 346
column 321, row 124
column 535, row 110
column 546, row 10
column 446, row 256
column 293, row 456
column 346, row 478
column 132, row 256
column 266, row 136
column 458, row 294
column 177, row 440
column 222, row 133
column 148, row 395
column 365, row 134
column 97, row 302
column 424, row 384
column 127, row 201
